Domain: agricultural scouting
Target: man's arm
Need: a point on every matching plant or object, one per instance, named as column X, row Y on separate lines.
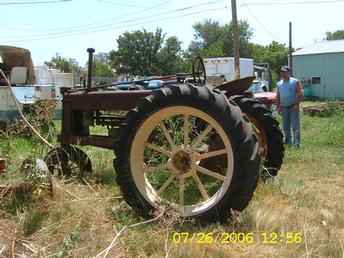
column 299, row 92
column 299, row 96
column 278, row 100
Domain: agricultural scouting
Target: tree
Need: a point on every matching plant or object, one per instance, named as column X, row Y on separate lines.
column 66, row 65
column 146, row 53
column 170, row 59
column 102, row 69
column 336, row 35
column 275, row 54
column 137, row 52
column 102, row 65
column 214, row 40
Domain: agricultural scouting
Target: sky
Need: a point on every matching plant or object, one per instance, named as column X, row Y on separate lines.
column 69, row 27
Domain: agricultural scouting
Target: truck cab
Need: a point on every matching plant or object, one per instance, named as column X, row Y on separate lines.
column 17, row 65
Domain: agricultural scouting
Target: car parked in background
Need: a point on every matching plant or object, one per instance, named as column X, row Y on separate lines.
column 259, row 86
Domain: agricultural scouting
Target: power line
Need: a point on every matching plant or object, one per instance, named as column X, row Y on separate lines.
column 92, row 25
column 147, row 9
column 34, row 2
column 117, row 27
column 292, row 2
column 272, row 35
column 91, row 28
column 120, row 4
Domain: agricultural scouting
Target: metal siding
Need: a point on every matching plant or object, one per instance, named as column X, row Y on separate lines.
column 334, row 68
column 330, row 67
column 308, row 66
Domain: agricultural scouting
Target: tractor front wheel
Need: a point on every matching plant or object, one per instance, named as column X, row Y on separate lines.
column 68, row 161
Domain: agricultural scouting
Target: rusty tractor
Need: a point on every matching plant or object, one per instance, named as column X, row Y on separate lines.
column 195, row 149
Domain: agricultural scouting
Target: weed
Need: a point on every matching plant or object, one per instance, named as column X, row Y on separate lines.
column 32, row 221
column 69, row 243
column 18, row 199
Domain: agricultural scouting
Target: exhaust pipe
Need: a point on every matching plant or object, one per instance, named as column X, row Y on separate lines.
column 90, row 67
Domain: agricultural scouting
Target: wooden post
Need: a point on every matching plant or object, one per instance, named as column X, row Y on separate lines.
column 290, row 57
column 236, row 40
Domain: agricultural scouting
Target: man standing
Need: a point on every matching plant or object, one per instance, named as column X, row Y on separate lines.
column 289, row 96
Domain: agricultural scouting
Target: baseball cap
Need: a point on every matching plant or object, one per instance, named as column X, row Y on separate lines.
column 285, row 68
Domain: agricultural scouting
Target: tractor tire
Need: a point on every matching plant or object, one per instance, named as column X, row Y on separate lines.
column 68, row 161
column 160, row 114
column 269, row 134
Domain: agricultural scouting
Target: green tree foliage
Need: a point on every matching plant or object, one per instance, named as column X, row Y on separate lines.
column 146, row 53
column 211, row 39
column 102, row 69
column 137, row 52
column 275, row 54
column 336, row 35
column 66, row 65
column 170, row 60
column 102, row 66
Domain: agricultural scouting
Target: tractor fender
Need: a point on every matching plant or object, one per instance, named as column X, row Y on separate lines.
column 236, row 87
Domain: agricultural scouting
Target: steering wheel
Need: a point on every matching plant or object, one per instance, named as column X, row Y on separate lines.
column 198, row 71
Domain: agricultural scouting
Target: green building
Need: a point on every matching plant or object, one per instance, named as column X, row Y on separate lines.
column 320, row 67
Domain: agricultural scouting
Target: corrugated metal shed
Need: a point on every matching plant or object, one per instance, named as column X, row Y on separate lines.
column 321, row 67
column 324, row 47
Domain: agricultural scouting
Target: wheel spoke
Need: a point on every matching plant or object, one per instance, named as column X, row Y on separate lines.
column 186, row 175
column 159, row 149
column 166, row 184
column 212, row 154
column 210, row 173
column 181, row 190
column 201, row 137
column 167, row 135
column 186, row 130
column 74, row 168
column 150, row 169
column 201, row 187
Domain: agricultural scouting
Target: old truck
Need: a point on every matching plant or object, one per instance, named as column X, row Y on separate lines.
column 28, row 83
column 17, row 64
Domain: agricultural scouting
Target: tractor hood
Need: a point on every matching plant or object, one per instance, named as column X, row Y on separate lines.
column 15, row 56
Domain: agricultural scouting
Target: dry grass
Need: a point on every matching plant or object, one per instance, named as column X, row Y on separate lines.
column 81, row 220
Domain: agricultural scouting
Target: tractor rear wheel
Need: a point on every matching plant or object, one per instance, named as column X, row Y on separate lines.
column 160, row 153
column 269, row 134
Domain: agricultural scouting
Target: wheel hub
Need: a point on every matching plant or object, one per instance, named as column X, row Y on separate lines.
column 182, row 161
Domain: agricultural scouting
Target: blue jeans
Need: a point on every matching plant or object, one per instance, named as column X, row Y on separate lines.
column 291, row 121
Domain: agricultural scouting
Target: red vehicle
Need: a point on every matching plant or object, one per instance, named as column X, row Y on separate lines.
column 268, row 98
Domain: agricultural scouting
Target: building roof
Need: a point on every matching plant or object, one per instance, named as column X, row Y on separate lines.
column 324, row 47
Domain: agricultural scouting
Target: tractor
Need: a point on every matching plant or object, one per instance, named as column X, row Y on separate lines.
column 187, row 146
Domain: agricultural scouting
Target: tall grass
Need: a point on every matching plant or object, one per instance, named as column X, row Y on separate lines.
column 307, row 198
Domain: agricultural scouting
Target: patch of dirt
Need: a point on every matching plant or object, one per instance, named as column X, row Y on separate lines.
column 8, row 239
